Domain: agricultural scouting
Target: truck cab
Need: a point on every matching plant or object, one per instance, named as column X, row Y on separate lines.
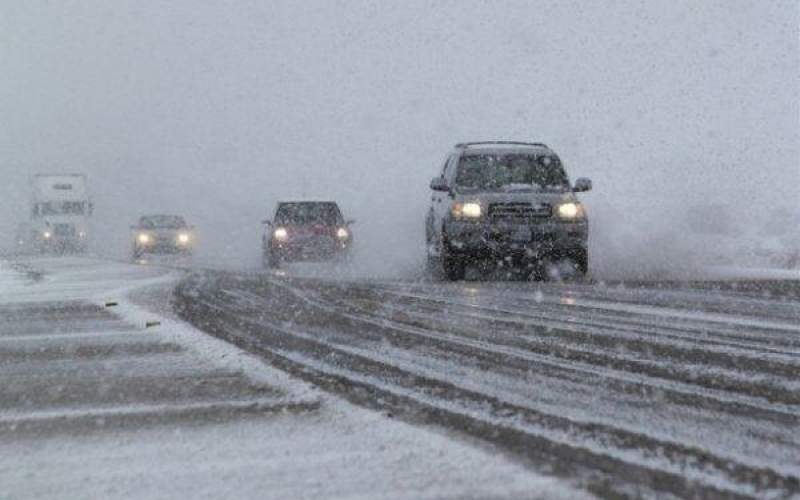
column 60, row 213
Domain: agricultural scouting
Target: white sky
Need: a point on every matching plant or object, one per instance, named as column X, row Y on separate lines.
column 216, row 109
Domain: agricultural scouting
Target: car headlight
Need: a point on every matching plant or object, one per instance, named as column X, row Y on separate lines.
column 342, row 233
column 47, row 235
column 184, row 238
column 570, row 211
column 280, row 234
column 467, row 210
column 143, row 238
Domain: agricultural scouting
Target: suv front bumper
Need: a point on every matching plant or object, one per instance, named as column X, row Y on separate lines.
column 327, row 249
column 501, row 240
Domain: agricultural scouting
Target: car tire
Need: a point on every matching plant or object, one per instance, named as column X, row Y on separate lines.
column 453, row 268
column 582, row 259
column 570, row 268
column 272, row 261
column 432, row 264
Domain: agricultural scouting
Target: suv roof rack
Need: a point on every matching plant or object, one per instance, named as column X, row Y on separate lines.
column 462, row 145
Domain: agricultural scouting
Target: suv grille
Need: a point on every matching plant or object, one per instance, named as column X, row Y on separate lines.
column 67, row 230
column 518, row 211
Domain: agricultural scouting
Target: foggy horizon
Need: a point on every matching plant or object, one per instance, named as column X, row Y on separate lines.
column 218, row 111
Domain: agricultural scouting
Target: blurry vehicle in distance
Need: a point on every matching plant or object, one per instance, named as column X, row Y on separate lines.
column 60, row 213
column 507, row 204
column 162, row 234
column 306, row 231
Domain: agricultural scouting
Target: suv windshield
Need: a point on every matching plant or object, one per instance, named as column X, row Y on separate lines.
column 162, row 221
column 511, row 172
column 308, row 213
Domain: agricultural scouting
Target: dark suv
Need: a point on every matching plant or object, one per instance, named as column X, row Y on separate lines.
column 306, row 231
column 508, row 204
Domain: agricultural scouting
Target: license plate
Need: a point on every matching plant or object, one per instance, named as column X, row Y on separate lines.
column 521, row 235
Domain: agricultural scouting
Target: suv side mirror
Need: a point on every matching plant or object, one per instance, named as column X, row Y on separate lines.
column 582, row 185
column 266, row 222
column 349, row 222
column 439, row 184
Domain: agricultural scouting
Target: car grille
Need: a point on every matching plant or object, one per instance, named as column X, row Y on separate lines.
column 518, row 211
column 66, row 230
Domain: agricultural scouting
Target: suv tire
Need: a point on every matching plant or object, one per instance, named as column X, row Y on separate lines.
column 454, row 268
column 582, row 259
column 137, row 254
column 271, row 261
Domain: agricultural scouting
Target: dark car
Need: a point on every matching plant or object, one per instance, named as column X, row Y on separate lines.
column 162, row 234
column 306, row 231
column 509, row 204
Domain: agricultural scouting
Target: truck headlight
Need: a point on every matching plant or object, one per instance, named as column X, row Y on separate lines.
column 184, row 238
column 570, row 211
column 280, row 234
column 467, row 210
column 143, row 238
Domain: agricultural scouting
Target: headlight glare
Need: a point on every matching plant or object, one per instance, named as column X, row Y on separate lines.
column 342, row 233
column 469, row 210
column 570, row 211
column 144, row 238
column 280, row 234
column 183, row 238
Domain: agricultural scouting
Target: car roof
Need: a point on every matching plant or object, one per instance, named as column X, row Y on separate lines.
column 501, row 146
column 161, row 216
column 305, row 202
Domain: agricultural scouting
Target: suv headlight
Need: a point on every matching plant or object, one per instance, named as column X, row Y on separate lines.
column 280, row 234
column 570, row 211
column 469, row 210
column 144, row 238
column 184, row 238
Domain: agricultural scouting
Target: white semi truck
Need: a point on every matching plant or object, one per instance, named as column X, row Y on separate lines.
column 60, row 213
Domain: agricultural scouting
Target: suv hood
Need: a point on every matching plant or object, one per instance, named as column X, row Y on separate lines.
column 164, row 231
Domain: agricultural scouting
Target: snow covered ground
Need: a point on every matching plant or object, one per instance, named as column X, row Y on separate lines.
column 753, row 273
column 107, row 397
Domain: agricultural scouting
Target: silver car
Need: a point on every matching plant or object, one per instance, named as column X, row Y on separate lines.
column 508, row 204
column 162, row 234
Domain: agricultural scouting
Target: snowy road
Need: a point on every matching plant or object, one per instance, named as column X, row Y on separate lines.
column 689, row 391
column 106, row 394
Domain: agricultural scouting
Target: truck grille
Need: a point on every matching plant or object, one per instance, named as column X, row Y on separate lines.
column 64, row 230
column 518, row 211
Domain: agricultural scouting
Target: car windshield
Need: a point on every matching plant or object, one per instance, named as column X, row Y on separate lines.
column 162, row 222
column 511, row 172
column 308, row 213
